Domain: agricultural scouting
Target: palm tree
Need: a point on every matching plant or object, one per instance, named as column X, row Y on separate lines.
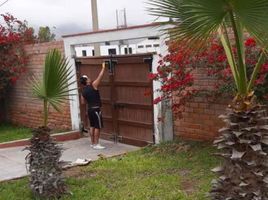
column 244, row 142
column 45, row 171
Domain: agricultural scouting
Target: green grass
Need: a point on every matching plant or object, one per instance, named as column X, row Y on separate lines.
column 9, row 133
column 167, row 172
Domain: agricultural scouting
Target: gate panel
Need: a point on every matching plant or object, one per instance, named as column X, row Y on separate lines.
column 135, row 111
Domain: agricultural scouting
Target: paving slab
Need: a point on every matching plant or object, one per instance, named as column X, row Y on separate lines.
column 12, row 160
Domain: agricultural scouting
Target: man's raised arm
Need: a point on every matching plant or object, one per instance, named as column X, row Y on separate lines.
column 96, row 83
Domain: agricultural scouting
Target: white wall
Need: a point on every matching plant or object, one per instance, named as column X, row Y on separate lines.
column 135, row 48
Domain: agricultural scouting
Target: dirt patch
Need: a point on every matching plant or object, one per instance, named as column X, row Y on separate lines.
column 184, row 172
column 171, row 148
column 79, row 173
column 189, row 186
column 73, row 172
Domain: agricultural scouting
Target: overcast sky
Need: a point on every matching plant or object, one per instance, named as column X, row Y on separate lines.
column 73, row 16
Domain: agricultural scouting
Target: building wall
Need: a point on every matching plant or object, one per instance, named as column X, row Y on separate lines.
column 23, row 109
column 200, row 120
column 145, row 46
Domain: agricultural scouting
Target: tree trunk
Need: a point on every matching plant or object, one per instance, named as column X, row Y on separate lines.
column 244, row 147
column 46, row 180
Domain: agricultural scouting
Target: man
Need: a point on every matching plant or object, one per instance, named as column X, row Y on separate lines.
column 91, row 96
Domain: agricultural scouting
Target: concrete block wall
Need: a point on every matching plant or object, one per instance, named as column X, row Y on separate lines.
column 23, row 109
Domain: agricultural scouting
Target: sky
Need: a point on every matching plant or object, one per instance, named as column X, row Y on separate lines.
column 74, row 16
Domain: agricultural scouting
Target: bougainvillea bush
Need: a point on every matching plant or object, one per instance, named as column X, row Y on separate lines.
column 176, row 73
column 216, row 61
column 14, row 34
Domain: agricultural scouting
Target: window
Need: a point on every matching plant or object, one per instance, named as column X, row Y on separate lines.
column 93, row 52
column 128, row 50
column 112, row 51
column 148, row 46
column 84, row 52
column 153, row 38
column 156, row 45
column 140, row 46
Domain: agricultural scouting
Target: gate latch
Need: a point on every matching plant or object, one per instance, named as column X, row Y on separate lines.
column 111, row 64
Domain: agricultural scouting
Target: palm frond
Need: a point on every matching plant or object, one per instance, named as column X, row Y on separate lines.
column 53, row 88
column 253, row 15
column 196, row 20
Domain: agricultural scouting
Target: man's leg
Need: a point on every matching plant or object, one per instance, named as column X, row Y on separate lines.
column 97, row 135
column 97, row 138
column 92, row 135
column 98, row 124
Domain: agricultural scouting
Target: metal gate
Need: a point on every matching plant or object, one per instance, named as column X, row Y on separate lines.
column 127, row 111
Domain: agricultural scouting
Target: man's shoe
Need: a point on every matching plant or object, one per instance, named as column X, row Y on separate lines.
column 84, row 130
column 98, row 147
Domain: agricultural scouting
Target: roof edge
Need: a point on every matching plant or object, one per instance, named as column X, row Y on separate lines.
column 112, row 30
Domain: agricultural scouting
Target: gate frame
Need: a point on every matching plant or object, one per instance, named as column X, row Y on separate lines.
column 121, row 59
column 163, row 131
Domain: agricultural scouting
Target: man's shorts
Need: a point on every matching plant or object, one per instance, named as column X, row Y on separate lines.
column 95, row 118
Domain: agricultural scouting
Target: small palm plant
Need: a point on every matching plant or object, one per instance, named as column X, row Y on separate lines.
column 46, row 179
column 244, row 142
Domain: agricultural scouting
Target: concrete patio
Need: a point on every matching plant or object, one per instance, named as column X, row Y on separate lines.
column 12, row 160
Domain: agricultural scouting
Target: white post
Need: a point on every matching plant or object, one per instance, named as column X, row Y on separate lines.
column 157, row 107
column 163, row 128
column 74, row 96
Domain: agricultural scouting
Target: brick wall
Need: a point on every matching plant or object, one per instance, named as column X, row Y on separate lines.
column 23, row 109
column 200, row 120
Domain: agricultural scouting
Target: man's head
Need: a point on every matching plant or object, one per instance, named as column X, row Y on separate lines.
column 84, row 80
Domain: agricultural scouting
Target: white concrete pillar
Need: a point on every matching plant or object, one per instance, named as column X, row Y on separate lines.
column 74, row 96
column 163, row 129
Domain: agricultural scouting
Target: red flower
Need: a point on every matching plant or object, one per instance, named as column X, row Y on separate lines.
column 250, row 42
column 152, row 76
column 221, row 58
column 13, row 80
column 260, row 81
column 264, row 68
column 157, row 100
column 227, row 72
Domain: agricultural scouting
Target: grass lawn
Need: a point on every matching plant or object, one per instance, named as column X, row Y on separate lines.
column 171, row 171
column 9, row 133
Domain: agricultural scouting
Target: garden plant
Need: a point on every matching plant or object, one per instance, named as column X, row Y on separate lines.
column 46, row 180
column 14, row 34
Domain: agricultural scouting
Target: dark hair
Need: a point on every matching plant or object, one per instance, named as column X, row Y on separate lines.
column 83, row 81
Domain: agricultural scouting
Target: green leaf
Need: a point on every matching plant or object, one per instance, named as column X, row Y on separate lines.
column 253, row 15
column 229, row 54
column 53, row 88
column 196, row 20
column 256, row 71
